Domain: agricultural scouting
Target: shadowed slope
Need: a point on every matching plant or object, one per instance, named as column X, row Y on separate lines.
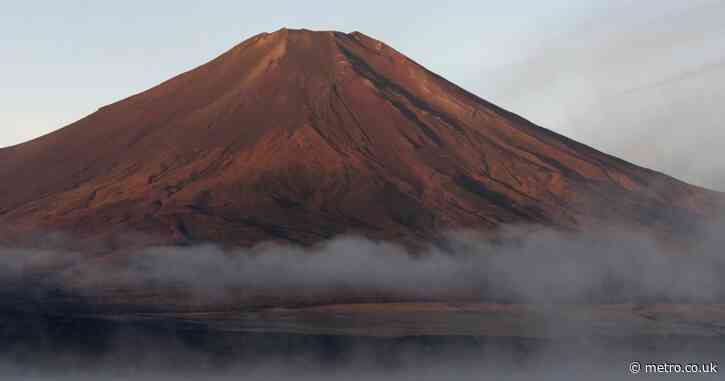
column 300, row 136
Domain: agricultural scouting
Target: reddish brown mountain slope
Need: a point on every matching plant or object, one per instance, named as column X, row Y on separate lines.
column 299, row 136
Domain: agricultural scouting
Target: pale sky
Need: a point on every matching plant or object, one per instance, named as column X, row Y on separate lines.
column 640, row 79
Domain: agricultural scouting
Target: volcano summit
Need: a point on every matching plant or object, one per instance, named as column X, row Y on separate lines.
column 300, row 136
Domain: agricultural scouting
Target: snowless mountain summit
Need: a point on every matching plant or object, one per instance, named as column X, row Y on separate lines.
column 300, row 136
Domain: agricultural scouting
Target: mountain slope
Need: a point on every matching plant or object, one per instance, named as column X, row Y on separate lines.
column 300, row 136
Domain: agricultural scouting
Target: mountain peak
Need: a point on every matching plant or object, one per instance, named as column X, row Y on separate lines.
column 300, row 135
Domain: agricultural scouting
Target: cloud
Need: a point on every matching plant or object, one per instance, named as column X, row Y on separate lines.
column 643, row 87
column 525, row 266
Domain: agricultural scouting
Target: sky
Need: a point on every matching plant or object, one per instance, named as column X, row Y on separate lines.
column 639, row 79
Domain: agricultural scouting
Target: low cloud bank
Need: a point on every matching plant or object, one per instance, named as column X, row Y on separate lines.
column 543, row 266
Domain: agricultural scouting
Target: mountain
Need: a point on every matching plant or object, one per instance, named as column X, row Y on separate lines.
column 300, row 136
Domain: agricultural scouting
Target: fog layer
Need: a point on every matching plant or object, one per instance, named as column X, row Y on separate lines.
column 526, row 266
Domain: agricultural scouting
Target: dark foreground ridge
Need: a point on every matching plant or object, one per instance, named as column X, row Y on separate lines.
column 300, row 136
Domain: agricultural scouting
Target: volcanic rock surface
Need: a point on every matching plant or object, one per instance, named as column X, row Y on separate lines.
column 300, row 136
